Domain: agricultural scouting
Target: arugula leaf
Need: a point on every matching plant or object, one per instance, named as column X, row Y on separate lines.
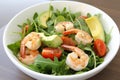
column 43, row 31
column 22, row 26
column 51, row 8
column 91, row 63
column 93, row 54
column 71, row 17
column 81, row 24
column 30, row 29
column 108, row 36
column 59, row 19
column 15, row 47
column 63, row 12
column 55, row 65
column 77, row 14
column 99, row 60
column 89, row 15
column 36, row 27
column 50, row 22
column 28, row 21
column 32, row 67
column 57, row 12
column 35, row 15
column 82, row 46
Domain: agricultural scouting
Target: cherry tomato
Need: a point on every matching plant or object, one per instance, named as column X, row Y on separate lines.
column 51, row 53
column 100, row 47
column 68, row 41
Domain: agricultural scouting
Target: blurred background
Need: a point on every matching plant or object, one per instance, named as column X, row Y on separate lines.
column 8, row 8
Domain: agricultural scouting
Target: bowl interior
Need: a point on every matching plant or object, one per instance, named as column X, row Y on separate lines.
column 108, row 24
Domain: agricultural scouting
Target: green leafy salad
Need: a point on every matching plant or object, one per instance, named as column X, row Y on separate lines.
column 61, row 42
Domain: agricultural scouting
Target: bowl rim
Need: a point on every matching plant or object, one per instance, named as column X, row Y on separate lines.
column 104, row 64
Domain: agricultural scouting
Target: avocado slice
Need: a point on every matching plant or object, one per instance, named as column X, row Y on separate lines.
column 52, row 41
column 95, row 27
column 43, row 17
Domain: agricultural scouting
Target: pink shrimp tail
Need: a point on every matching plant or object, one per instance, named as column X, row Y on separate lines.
column 67, row 47
column 71, row 31
column 22, row 51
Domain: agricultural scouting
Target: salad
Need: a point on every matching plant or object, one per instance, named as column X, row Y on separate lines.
column 61, row 42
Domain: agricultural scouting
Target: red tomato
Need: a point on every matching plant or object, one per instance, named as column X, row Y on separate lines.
column 100, row 47
column 51, row 53
column 68, row 41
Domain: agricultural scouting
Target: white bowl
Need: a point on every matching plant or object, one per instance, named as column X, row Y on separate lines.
column 108, row 23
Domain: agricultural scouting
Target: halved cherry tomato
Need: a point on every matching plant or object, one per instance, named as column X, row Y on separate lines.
column 68, row 41
column 100, row 47
column 51, row 53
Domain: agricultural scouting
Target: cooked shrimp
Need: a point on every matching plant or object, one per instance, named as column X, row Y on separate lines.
column 32, row 41
column 78, row 59
column 63, row 26
column 81, row 36
column 29, row 56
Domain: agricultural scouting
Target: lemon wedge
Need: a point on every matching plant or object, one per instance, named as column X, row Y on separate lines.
column 95, row 27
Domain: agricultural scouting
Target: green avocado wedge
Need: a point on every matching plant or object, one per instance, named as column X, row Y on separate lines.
column 52, row 41
column 43, row 17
